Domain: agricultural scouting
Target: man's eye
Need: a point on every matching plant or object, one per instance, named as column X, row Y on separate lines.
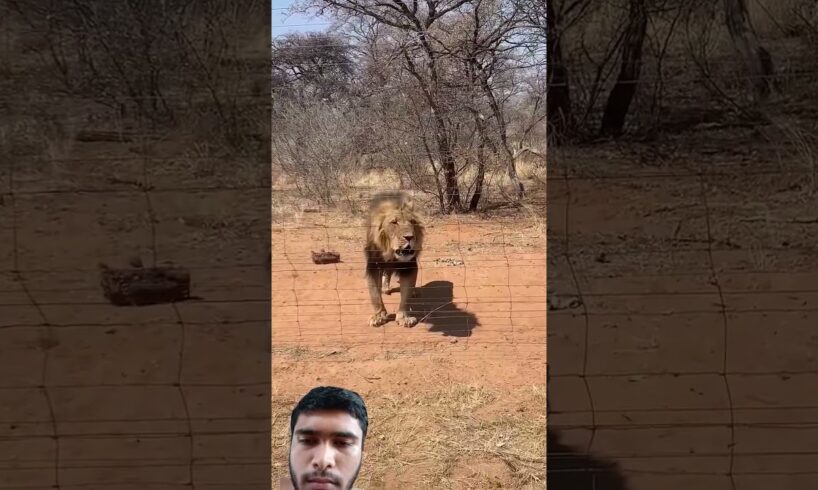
column 308, row 441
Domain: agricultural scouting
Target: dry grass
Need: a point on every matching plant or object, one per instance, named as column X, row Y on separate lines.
column 434, row 439
column 497, row 186
column 802, row 146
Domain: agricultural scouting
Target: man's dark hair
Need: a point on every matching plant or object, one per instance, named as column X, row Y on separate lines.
column 332, row 398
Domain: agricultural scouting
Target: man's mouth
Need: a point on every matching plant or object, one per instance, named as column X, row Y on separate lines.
column 321, row 483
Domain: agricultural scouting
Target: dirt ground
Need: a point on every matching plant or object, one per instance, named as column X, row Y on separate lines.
column 691, row 360
column 457, row 401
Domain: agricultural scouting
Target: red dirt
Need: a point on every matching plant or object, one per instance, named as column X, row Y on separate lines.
column 483, row 281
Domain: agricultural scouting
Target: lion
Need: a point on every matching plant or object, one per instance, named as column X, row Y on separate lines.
column 394, row 241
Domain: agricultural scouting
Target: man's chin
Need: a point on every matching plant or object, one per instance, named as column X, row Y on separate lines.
column 319, row 484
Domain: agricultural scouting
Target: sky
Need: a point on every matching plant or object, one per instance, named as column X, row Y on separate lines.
column 284, row 23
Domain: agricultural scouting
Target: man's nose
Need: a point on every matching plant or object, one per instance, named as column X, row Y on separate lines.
column 324, row 457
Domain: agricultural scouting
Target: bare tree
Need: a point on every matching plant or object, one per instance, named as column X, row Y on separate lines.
column 413, row 23
column 620, row 97
column 488, row 52
column 126, row 56
column 558, row 98
column 315, row 65
column 445, row 88
column 758, row 60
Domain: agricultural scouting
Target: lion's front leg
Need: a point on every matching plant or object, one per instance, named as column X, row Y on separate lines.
column 373, row 278
column 408, row 280
column 387, row 279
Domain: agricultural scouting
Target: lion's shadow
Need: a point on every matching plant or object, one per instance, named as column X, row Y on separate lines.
column 570, row 468
column 433, row 305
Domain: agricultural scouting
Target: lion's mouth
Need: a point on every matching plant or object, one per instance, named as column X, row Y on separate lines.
column 405, row 251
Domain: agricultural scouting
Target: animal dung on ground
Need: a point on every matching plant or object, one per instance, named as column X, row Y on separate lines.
column 325, row 257
column 138, row 286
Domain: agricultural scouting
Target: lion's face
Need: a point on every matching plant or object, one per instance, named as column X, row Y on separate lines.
column 402, row 233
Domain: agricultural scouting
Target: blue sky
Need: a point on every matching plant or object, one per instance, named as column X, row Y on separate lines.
column 282, row 23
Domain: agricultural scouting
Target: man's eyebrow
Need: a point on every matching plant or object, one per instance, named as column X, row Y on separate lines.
column 311, row 432
column 345, row 435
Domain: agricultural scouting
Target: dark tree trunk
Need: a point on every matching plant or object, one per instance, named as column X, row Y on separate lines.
column 758, row 60
column 558, row 94
column 447, row 161
column 502, row 129
column 442, row 141
column 621, row 96
column 481, row 163
column 478, row 187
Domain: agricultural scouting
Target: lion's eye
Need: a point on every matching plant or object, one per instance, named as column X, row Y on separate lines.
column 394, row 221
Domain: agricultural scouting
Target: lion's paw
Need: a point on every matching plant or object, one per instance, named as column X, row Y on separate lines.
column 378, row 319
column 404, row 320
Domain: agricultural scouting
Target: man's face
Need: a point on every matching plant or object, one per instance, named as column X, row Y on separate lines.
column 325, row 451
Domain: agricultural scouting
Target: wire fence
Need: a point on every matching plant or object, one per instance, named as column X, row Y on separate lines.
column 94, row 395
column 111, row 392
column 478, row 287
column 130, row 386
column 653, row 335
column 661, row 351
column 682, row 344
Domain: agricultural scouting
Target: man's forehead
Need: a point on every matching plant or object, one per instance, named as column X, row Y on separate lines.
column 328, row 421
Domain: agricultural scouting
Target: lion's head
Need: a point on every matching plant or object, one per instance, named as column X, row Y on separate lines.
column 394, row 228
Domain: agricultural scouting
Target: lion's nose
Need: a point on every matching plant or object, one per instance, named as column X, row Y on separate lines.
column 408, row 237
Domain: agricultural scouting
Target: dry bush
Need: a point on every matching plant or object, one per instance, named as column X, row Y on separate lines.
column 126, row 56
column 315, row 144
column 440, row 86
column 692, row 69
